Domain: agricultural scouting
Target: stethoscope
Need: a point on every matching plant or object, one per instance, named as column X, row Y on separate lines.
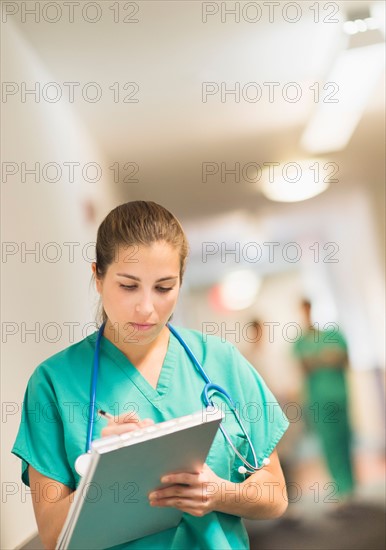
column 82, row 462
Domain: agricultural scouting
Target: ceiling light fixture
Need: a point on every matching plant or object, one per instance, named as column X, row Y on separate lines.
column 356, row 73
column 297, row 181
column 361, row 25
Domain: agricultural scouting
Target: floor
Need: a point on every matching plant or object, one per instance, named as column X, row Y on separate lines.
column 362, row 529
column 314, row 522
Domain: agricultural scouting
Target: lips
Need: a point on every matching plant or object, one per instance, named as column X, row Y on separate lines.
column 138, row 326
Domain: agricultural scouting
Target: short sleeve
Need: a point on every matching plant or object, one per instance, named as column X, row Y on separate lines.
column 259, row 409
column 40, row 439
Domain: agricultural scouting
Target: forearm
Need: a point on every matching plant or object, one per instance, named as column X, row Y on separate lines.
column 51, row 520
column 261, row 496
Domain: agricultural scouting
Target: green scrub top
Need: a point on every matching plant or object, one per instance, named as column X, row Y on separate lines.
column 53, row 427
column 325, row 383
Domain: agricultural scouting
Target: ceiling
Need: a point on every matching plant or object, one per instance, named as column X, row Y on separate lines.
column 170, row 132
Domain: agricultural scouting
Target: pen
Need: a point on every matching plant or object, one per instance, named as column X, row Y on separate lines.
column 109, row 416
column 106, row 414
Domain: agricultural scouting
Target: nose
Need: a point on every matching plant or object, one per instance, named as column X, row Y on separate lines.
column 145, row 306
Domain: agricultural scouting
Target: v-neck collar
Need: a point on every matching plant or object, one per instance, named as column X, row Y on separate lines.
column 154, row 395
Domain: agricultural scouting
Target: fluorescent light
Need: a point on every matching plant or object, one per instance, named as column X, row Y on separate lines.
column 296, row 181
column 361, row 25
column 356, row 72
column 350, row 27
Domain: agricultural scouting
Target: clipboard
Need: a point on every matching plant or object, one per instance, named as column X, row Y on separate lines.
column 111, row 504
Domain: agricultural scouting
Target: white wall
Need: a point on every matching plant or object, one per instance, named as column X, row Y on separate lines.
column 37, row 293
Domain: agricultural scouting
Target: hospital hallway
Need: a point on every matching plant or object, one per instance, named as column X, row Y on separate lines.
column 310, row 525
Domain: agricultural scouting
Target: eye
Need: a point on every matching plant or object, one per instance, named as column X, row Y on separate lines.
column 128, row 287
column 164, row 289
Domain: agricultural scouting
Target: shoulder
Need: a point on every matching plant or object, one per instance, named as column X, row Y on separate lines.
column 334, row 336
column 218, row 355
column 66, row 361
column 205, row 344
column 227, row 367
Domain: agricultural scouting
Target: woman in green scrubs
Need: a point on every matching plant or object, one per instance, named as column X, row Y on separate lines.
column 146, row 376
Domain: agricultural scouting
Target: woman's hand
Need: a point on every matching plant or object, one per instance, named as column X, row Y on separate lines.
column 126, row 422
column 262, row 495
column 195, row 494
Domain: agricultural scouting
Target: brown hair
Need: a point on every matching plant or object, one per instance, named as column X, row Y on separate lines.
column 138, row 223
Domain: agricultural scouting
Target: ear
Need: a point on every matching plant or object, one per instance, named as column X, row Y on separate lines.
column 98, row 281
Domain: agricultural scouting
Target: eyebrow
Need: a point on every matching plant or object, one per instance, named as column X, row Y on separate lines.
column 138, row 279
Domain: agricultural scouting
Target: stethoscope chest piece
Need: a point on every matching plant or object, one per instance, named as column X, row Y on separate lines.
column 82, row 463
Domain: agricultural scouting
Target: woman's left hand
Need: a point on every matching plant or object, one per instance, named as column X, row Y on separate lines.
column 195, row 494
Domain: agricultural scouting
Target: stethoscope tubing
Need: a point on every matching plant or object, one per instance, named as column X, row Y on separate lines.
column 208, row 402
column 205, row 396
column 94, row 380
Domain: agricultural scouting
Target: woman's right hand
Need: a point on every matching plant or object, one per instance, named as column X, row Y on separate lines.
column 123, row 423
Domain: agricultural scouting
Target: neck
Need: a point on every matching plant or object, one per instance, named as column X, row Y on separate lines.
column 136, row 352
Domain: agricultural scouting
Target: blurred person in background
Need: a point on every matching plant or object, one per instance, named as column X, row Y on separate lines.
column 260, row 354
column 254, row 351
column 324, row 360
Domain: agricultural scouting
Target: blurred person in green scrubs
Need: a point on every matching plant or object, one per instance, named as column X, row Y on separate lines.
column 323, row 356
